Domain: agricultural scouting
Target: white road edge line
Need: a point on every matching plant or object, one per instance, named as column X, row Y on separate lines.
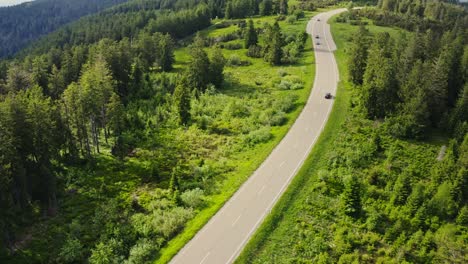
column 261, row 190
column 237, row 219
column 203, row 260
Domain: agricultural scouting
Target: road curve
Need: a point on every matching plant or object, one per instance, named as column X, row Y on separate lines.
column 223, row 237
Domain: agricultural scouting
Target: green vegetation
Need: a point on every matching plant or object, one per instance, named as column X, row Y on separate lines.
column 22, row 24
column 125, row 148
column 380, row 189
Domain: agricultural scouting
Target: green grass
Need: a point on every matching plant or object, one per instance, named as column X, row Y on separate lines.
column 257, row 76
column 269, row 240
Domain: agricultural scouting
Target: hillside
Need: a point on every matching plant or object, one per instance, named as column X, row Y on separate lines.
column 24, row 23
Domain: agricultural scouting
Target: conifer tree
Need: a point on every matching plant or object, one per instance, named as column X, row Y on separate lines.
column 351, row 197
column 182, row 102
column 251, row 37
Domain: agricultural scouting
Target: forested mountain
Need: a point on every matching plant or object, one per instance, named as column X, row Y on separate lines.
column 21, row 24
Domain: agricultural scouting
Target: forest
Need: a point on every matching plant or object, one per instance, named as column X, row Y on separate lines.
column 22, row 24
column 120, row 129
column 393, row 188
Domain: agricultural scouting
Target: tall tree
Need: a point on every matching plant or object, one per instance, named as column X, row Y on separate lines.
column 351, row 197
column 251, row 37
column 182, row 102
column 273, row 51
column 358, row 56
column 217, row 63
column 380, row 86
column 198, row 72
column 166, row 52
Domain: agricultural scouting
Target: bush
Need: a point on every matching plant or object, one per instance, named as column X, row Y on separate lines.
column 258, row 136
column 286, row 103
column 291, row 19
column 193, row 198
column 255, row 51
column 142, row 252
column 235, row 60
column 290, row 83
column 71, row 251
column 278, row 119
column 232, row 46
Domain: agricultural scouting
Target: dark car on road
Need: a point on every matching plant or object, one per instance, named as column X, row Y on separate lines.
column 317, row 36
column 317, row 43
column 328, row 96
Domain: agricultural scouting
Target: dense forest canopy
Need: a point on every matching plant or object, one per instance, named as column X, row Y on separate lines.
column 21, row 24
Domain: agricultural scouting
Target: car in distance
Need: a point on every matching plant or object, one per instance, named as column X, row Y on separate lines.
column 328, row 96
column 317, row 43
column 318, row 19
column 317, row 36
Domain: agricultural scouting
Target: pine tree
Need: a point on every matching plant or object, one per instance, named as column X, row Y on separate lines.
column 251, row 37
column 56, row 83
column 266, row 7
column 274, row 47
column 217, row 64
column 283, row 7
column 358, row 56
column 438, row 89
column 351, row 197
column 228, row 14
column 198, row 72
column 182, row 102
column 166, row 52
column 116, row 115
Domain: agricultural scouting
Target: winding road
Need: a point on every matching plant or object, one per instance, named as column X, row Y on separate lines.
column 223, row 237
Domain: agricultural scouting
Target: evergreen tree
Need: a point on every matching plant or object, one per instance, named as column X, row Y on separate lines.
column 217, row 64
column 228, row 14
column 283, row 7
column 274, row 45
column 251, row 37
column 56, row 83
column 351, row 197
column 438, row 89
column 166, row 52
column 266, row 7
column 198, row 72
column 380, row 86
column 182, row 102
column 358, row 56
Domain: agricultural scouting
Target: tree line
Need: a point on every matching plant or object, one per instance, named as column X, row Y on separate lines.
column 417, row 84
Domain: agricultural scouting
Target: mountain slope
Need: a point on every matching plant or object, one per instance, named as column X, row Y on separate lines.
column 21, row 24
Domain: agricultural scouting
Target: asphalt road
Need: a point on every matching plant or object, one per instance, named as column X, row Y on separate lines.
column 223, row 237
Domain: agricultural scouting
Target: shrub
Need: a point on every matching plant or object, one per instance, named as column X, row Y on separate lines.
column 193, row 198
column 235, row 61
column 282, row 72
column 278, row 119
column 291, row 19
column 232, row 46
column 286, row 103
column 142, row 252
column 71, row 251
column 255, row 51
column 258, row 136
